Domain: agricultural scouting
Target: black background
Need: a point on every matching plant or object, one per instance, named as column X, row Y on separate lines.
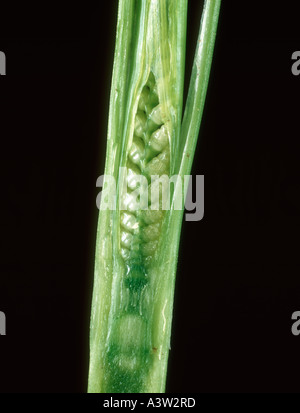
column 238, row 276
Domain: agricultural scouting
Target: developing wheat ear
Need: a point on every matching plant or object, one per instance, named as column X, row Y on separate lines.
column 145, row 182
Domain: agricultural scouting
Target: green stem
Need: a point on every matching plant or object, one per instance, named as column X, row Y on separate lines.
column 199, row 83
column 137, row 251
